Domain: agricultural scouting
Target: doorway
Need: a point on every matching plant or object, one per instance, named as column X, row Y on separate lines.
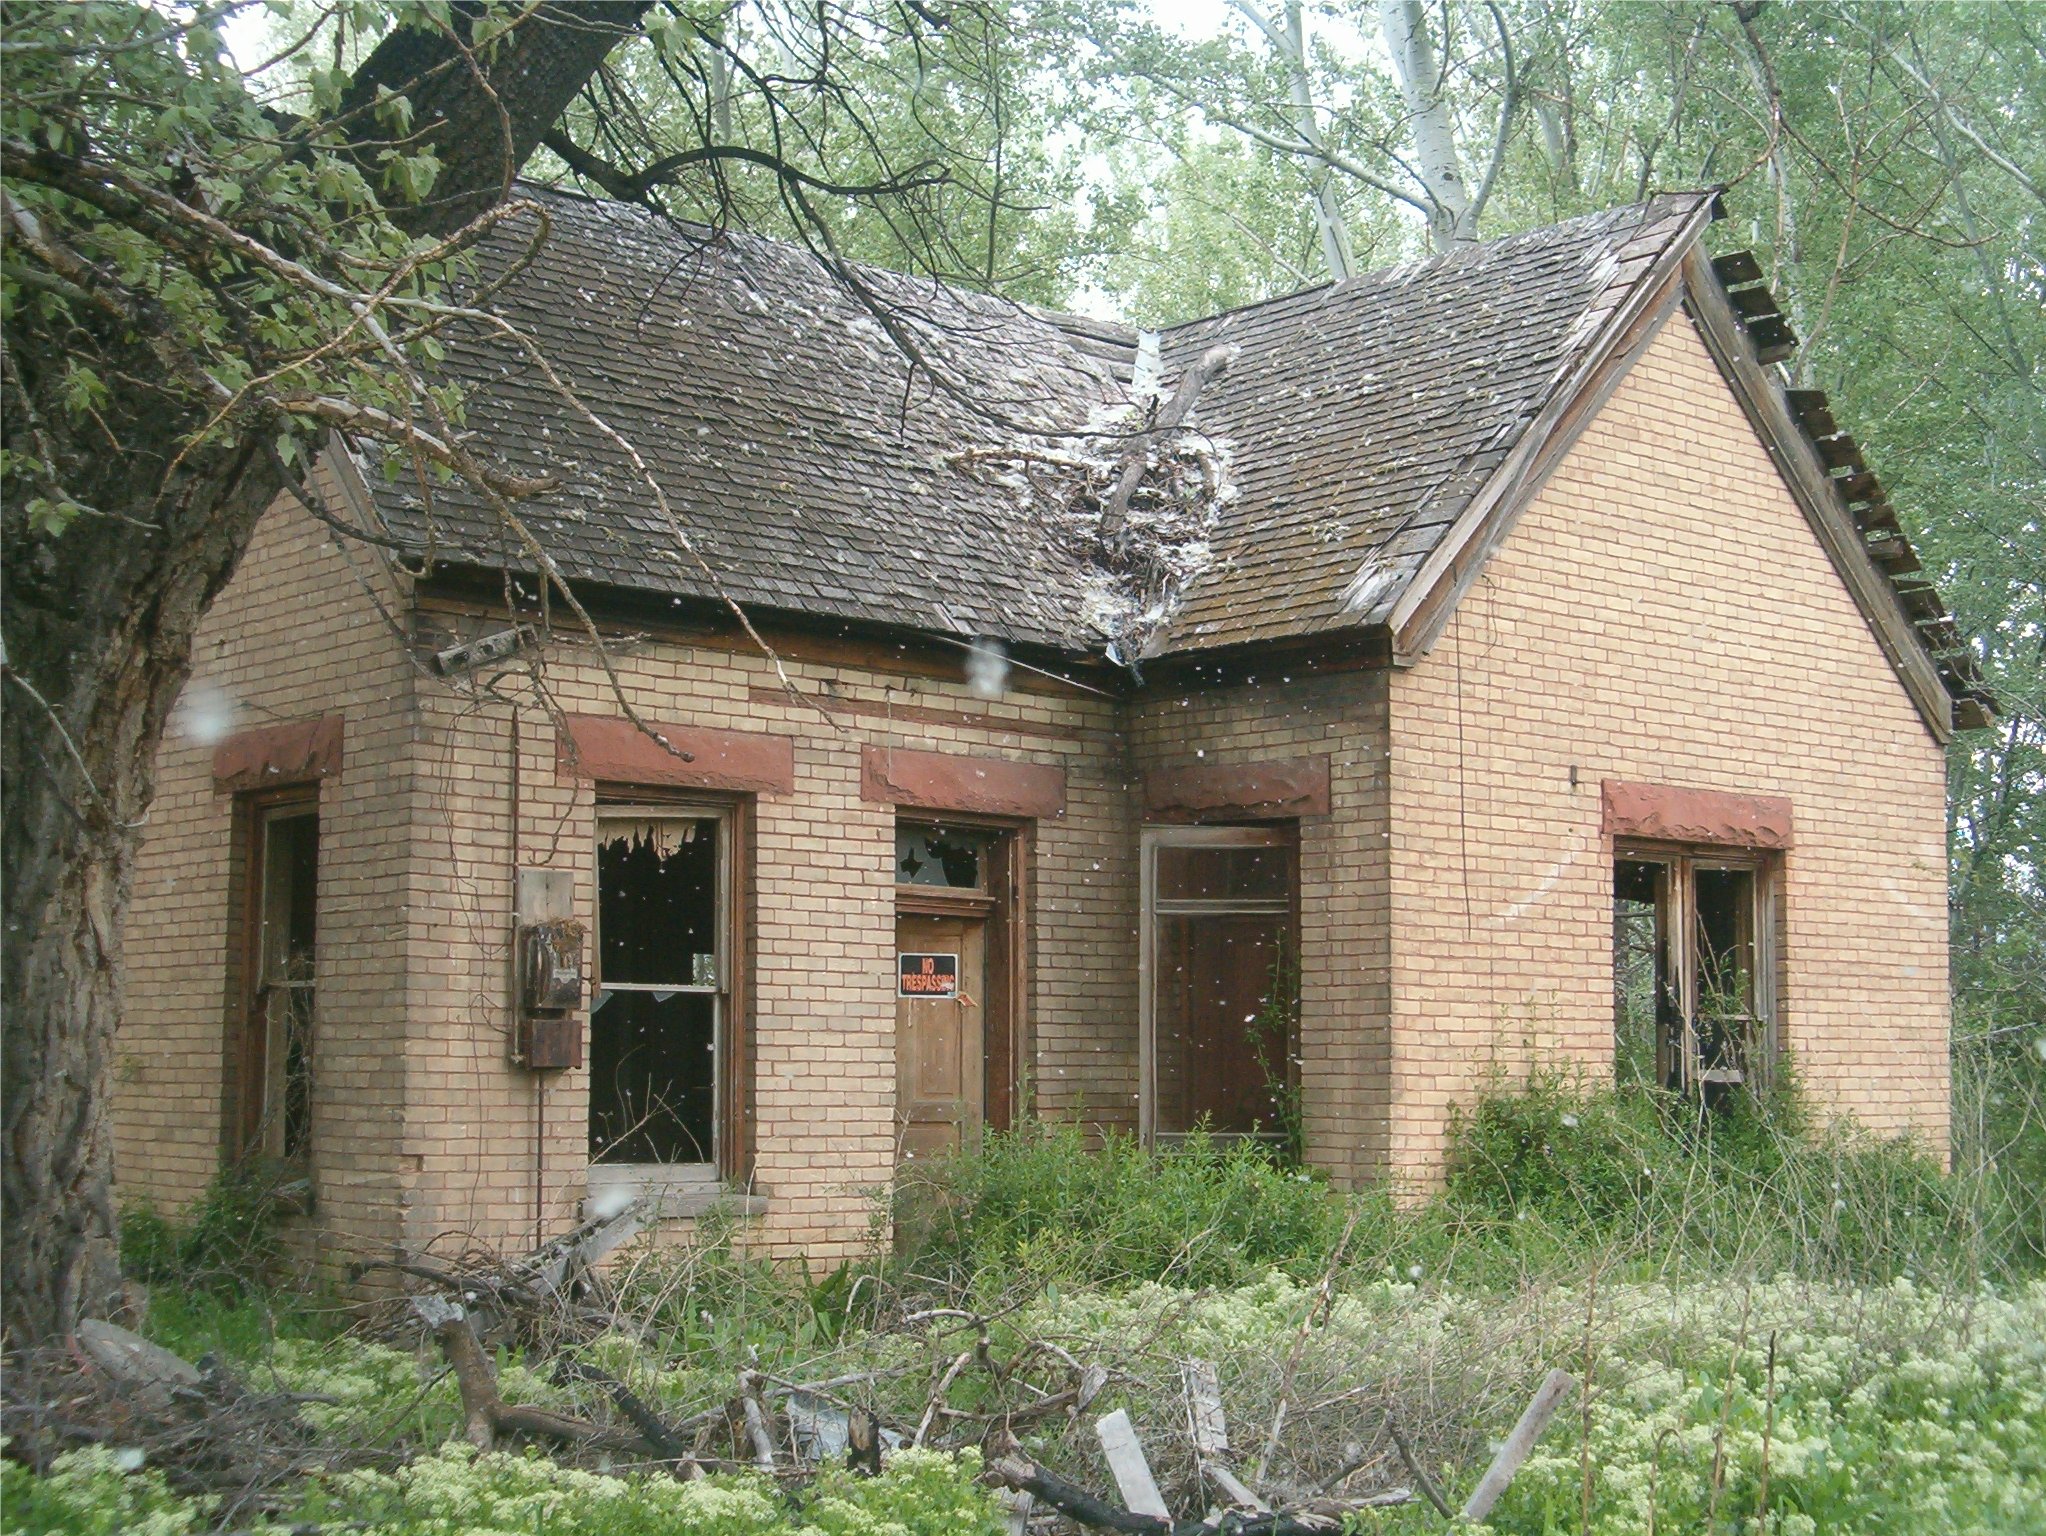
column 956, row 938
column 1219, row 964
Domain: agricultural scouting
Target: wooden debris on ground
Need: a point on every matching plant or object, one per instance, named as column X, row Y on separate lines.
column 119, row 1388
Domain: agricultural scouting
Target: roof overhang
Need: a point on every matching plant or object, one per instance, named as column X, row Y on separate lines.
column 1745, row 335
column 1418, row 619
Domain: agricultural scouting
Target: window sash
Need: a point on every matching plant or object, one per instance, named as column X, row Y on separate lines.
column 610, row 819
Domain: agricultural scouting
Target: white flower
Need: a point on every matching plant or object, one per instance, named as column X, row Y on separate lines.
column 1413, row 1271
column 1571, row 1121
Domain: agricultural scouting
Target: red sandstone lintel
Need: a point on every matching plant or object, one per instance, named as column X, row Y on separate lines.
column 613, row 750
column 1673, row 815
column 945, row 781
column 1278, row 787
column 298, row 752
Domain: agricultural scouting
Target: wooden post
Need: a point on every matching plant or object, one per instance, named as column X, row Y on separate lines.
column 1555, row 1388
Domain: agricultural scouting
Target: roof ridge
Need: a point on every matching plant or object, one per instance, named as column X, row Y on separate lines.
column 1439, row 260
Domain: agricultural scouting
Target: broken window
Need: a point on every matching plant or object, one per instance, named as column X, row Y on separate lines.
column 1220, row 1016
column 277, row 1102
column 952, row 858
column 657, row 1015
column 1692, row 970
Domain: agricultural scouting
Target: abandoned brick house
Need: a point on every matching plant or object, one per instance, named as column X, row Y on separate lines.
column 1495, row 665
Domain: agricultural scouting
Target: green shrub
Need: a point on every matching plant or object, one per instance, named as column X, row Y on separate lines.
column 1039, row 1201
column 227, row 1241
column 1752, row 1186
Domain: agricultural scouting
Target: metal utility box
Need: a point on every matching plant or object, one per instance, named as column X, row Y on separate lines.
column 547, row 976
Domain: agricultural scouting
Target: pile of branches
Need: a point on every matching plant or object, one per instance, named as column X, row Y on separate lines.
column 210, row 1430
column 974, row 1380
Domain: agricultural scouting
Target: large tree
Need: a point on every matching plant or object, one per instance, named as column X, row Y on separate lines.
column 209, row 269
column 195, row 288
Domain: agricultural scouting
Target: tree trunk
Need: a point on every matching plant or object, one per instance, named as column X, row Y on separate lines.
column 1436, row 162
column 99, row 623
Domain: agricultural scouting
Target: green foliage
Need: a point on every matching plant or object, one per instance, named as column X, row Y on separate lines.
column 95, row 1492
column 1751, row 1188
column 228, row 1241
column 1039, row 1200
column 1887, row 1411
column 456, row 1491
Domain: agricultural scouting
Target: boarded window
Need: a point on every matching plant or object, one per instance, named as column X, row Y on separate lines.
column 1220, row 1017
column 657, row 1017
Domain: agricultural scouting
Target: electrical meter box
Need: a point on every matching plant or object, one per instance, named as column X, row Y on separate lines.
column 547, row 973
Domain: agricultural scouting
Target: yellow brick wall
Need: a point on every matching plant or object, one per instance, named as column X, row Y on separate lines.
column 292, row 637
column 823, row 924
column 1344, row 964
column 1661, row 613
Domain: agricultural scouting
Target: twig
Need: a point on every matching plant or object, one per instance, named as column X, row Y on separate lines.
column 1413, row 1465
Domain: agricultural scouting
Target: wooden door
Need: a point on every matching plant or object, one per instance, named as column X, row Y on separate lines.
column 940, row 1046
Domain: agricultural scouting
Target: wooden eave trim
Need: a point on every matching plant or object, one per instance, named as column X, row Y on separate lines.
column 1431, row 598
column 1812, row 488
column 621, row 613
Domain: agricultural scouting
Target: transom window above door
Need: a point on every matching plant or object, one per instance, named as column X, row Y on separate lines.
column 1219, row 965
column 948, row 858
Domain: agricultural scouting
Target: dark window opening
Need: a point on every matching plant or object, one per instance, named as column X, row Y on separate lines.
column 1690, row 972
column 946, row 857
column 1643, row 1010
column 287, row 877
column 656, row 1017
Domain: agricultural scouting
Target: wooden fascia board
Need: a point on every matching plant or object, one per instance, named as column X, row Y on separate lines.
column 1797, row 460
column 1420, row 616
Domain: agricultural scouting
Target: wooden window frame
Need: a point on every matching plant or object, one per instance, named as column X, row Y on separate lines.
column 1004, row 902
column 247, row 1068
column 1265, row 834
column 1680, row 864
column 732, row 1114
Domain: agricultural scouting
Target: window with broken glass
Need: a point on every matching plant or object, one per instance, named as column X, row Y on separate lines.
column 659, row 1008
column 1694, row 969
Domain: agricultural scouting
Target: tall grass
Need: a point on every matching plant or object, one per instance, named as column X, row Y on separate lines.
column 1545, row 1179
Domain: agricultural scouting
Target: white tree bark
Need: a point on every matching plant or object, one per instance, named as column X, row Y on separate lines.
column 1452, row 218
column 1288, row 37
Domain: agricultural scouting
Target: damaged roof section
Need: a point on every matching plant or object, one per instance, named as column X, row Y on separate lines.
column 1368, row 413
column 935, row 460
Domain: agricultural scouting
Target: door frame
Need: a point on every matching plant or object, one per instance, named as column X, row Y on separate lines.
column 249, row 1068
column 1270, row 834
column 1004, row 904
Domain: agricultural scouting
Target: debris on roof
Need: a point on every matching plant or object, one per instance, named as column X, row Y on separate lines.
column 896, row 452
